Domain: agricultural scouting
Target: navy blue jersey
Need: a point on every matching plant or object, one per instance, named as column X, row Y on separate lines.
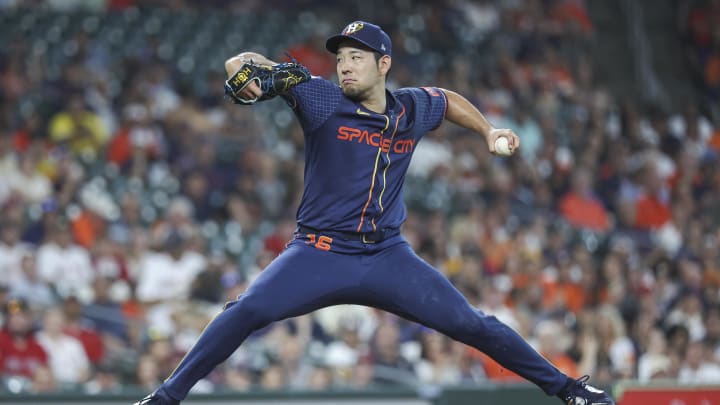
column 356, row 159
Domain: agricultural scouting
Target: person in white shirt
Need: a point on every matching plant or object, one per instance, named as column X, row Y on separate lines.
column 12, row 250
column 30, row 287
column 165, row 278
column 655, row 360
column 68, row 361
column 65, row 265
column 697, row 369
column 27, row 182
column 168, row 274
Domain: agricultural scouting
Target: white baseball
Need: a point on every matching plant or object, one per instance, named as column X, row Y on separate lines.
column 502, row 146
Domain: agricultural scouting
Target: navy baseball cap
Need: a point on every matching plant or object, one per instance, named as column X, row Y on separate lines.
column 366, row 33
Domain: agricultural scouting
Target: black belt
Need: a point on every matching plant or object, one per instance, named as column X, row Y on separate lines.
column 365, row 237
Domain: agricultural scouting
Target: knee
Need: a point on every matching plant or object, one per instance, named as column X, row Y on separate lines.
column 252, row 310
column 473, row 322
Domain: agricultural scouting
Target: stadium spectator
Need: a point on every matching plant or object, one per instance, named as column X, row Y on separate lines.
column 616, row 347
column 65, row 265
column 697, row 368
column 30, row 287
column 320, row 379
column 237, row 379
column 83, row 330
column 26, row 181
column 273, row 378
column 161, row 351
column 147, row 373
column 652, row 207
column 311, row 55
column 438, row 363
column 562, row 290
column 20, row 353
column 66, row 357
column 12, row 251
column 105, row 381
column 654, row 363
column 105, row 313
column 78, row 129
column 553, row 342
column 166, row 276
column 389, row 366
column 581, row 207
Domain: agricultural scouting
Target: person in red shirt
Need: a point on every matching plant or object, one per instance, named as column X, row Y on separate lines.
column 20, row 354
column 652, row 209
column 79, row 329
column 580, row 207
column 313, row 57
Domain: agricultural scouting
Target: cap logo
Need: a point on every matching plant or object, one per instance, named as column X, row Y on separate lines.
column 353, row 28
column 382, row 46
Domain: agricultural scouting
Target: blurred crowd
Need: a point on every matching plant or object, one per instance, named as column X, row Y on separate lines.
column 136, row 201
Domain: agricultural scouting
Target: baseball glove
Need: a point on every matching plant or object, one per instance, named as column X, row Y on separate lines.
column 272, row 80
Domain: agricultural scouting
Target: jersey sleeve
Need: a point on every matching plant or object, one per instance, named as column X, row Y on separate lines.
column 431, row 105
column 314, row 102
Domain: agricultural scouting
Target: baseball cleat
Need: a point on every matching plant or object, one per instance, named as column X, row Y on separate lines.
column 582, row 393
column 157, row 398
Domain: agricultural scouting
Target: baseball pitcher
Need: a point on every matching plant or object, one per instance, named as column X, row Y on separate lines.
column 348, row 249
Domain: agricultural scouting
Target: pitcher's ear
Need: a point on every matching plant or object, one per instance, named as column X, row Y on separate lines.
column 384, row 64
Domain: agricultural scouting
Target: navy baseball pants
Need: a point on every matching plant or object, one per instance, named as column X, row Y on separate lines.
column 386, row 275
